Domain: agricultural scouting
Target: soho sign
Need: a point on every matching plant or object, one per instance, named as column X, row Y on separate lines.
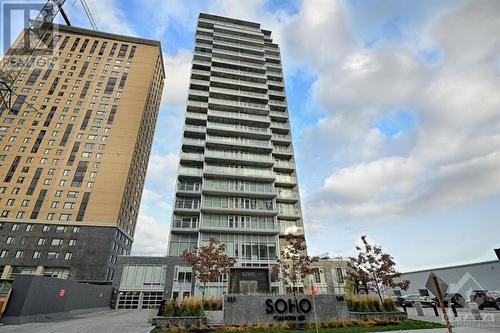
column 291, row 309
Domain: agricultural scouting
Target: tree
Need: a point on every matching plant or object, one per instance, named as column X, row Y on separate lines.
column 294, row 262
column 375, row 268
column 209, row 262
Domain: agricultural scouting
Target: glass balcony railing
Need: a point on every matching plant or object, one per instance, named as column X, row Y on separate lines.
column 198, row 93
column 200, row 82
column 225, row 35
column 276, row 92
column 238, row 72
column 239, row 82
column 288, row 212
column 265, row 173
column 190, row 171
column 200, row 72
column 276, row 102
column 287, row 194
column 236, row 44
column 284, row 164
column 239, row 141
column 196, row 115
column 239, row 54
column 281, row 137
column 280, row 125
column 239, row 156
column 284, row 179
column 280, row 114
column 197, row 128
column 234, row 92
column 192, row 156
column 282, row 150
column 198, row 142
column 294, row 230
column 238, row 115
column 239, row 104
column 239, row 128
column 215, row 58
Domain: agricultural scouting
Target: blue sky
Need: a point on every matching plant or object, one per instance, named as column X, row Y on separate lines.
column 395, row 117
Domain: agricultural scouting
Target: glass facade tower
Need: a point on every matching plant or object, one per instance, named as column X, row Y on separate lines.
column 236, row 178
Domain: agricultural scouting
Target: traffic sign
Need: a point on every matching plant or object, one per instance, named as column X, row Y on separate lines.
column 432, row 287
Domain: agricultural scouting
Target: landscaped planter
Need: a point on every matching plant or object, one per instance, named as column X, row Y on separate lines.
column 184, row 321
column 378, row 315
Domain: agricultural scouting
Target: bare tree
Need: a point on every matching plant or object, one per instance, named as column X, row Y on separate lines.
column 209, row 262
column 294, row 262
column 375, row 268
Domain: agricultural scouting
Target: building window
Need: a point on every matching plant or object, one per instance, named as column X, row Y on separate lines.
column 72, row 242
column 15, row 227
column 68, row 256
column 23, row 241
column 76, row 230
column 50, row 216
column 30, row 227
column 42, row 241
column 52, row 255
column 61, row 228
column 3, row 253
column 56, row 242
column 65, row 217
column 46, row 228
column 36, row 254
column 9, row 240
column 19, row 254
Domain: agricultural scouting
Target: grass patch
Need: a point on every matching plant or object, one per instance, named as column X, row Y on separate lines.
column 403, row 325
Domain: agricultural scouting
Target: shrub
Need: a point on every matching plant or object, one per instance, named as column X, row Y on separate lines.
column 389, row 305
column 369, row 303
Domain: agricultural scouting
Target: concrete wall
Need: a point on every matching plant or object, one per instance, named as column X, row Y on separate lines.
column 37, row 298
column 461, row 279
column 252, row 309
column 169, row 261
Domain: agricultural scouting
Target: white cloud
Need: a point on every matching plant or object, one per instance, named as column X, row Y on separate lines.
column 110, row 18
column 150, row 237
column 162, row 170
column 447, row 161
column 178, row 69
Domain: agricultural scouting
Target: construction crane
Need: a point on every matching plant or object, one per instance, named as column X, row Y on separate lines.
column 33, row 43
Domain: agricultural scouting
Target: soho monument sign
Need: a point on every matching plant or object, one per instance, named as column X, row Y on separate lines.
column 253, row 309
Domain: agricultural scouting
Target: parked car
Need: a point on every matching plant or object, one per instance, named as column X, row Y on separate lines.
column 447, row 299
column 410, row 300
column 485, row 298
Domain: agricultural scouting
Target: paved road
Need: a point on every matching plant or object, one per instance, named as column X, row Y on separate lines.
column 121, row 321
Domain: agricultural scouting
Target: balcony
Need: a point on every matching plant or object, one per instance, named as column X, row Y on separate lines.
column 276, row 93
column 264, row 174
column 223, row 128
column 193, row 142
column 287, row 196
column 277, row 103
column 234, row 92
column 194, row 128
column 289, row 213
column 279, row 114
column 242, row 55
column 185, row 226
column 236, row 44
column 280, row 125
column 222, row 60
column 196, row 92
column 192, row 157
column 261, row 76
column 294, row 230
column 195, row 172
column 186, row 206
column 282, row 137
column 226, row 190
column 200, row 72
column 239, row 82
column 196, row 115
column 238, row 105
column 281, row 164
column 282, row 150
column 240, row 141
column 239, row 115
column 199, row 82
column 285, row 181
column 255, row 158
column 239, row 210
column 218, row 26
column 225, row 35
column 201, row 62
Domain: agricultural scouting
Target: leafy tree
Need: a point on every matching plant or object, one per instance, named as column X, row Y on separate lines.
column 375, row 268
column 209, row 262
column 294, row 262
